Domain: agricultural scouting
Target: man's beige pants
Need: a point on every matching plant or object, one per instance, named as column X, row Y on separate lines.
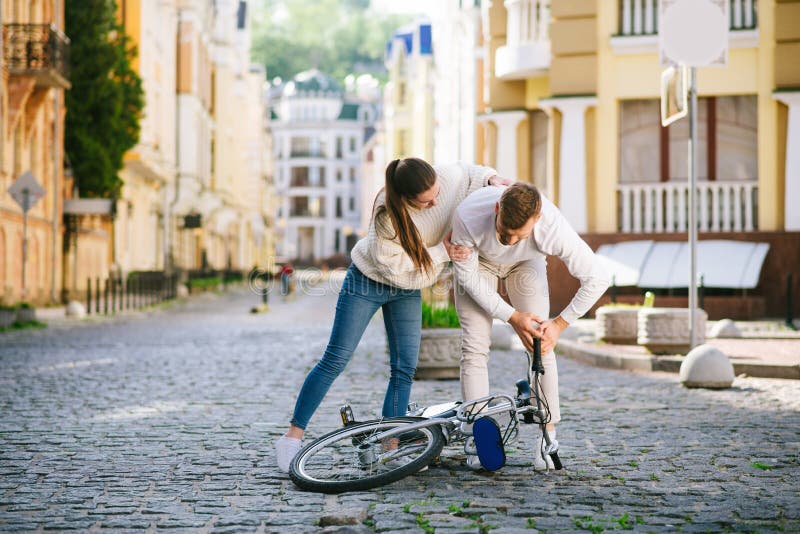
column 526, row 284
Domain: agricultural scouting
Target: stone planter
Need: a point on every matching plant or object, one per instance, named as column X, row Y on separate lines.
column 7, row 318
column 26, row 315
column 618, row 325
column 439, row 354
column 666, row 330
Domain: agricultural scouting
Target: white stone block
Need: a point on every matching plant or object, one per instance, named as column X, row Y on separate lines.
column 75, row 309
column 666, row 330
column 725, row 328
column 706, row 367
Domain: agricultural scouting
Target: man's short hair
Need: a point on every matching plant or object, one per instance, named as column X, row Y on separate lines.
column 519, row 202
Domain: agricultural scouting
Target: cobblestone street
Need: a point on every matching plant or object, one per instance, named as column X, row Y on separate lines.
column 165, row 420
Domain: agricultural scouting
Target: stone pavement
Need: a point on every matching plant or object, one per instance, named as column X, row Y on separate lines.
column 164, row 420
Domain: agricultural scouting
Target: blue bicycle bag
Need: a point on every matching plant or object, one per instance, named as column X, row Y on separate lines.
column 489, row 443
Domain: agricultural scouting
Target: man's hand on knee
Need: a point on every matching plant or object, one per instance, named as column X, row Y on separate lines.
column 525, row 325
column 550, row 331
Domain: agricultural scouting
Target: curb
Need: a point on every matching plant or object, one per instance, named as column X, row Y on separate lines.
column 598, row 357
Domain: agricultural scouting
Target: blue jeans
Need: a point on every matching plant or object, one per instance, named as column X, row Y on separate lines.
column 359, row 299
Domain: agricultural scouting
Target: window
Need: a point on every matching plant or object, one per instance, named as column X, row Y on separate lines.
column 338, row 206
column 300, row 177
column 352, row 144
column 337, row 235
column 352, row 175
column 352, row 203
column 727, row 144
column 301, row 147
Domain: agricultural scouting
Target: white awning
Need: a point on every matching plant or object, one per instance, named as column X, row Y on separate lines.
column 721, row 263
column 624, row 261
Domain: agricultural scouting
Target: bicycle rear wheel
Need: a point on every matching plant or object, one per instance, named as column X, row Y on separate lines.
column 345, row 459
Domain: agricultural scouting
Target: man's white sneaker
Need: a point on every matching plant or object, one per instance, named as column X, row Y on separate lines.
column 285, row 450
column 473, row 462
column 543, row 462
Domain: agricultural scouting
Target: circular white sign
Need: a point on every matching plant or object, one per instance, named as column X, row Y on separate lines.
column 694, row 32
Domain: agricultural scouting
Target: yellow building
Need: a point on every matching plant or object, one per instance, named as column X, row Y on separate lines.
column 141, row 224
column 571, row 95
column 408, row 96
column 33, row 77
column 219, row 205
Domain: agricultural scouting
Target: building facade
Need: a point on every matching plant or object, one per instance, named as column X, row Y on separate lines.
column 408, row 111
column 220, row 205
column 141, row 224
column 33, row 78
column 571, row 95
column 318, row 132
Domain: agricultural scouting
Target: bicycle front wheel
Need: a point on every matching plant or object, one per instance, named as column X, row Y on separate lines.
column 348, row 460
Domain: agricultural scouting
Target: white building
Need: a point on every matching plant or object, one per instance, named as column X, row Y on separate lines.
column 456, row 28
column 318, row 133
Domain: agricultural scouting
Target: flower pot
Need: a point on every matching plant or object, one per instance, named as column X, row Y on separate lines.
column 7, row 318
column 618, row 325
column 26, row 315
column 439, row 354
column 666, row 330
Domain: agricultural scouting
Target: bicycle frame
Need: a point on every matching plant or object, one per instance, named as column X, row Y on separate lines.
column 455, row 423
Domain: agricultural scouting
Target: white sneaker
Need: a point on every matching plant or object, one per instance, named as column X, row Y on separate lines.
column 473, row 462
column 542, row 462
column 285, row 450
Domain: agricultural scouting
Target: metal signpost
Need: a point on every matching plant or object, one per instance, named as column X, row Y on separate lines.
column 692, row 33
column 27, row 192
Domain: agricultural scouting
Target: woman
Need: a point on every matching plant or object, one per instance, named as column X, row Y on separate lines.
column 405, row 250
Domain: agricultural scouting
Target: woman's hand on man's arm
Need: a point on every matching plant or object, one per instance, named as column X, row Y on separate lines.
column 456, row 252
column 498, row 181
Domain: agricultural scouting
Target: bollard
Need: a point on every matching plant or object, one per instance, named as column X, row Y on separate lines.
column 113, row 283
column 789, row 303
column 88, row 296
column 701, row 292
column 105, row 298
column 97, row 293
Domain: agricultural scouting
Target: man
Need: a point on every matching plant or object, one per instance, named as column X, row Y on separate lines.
column 512, row 231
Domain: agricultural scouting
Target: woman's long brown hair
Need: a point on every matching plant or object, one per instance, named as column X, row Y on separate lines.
column 405, row 179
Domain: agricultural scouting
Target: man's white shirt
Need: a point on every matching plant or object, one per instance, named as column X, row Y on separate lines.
column 474, row 227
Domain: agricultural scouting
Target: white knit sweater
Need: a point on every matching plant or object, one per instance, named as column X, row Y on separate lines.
column 382, row 259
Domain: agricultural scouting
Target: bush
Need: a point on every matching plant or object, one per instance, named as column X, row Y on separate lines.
column 199, row 283
column 24, row 305
column 439, row 317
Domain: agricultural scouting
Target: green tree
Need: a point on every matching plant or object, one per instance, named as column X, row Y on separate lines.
column 339, row 37
column 105, row 104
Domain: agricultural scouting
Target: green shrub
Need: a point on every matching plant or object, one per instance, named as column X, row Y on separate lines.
column 24, row 305
column 439, row 317
column 211, row 281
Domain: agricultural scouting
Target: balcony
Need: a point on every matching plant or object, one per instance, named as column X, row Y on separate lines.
column 722, row 206
column 39, row 51
column 307, row 212
column 305, row 181
column 306, row 154
column 526, row 53
column 638, row 26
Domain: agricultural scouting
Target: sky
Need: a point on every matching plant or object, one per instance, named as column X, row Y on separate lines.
column 428, row 7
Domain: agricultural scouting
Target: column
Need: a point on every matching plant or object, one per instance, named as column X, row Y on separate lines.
column 791, row 197
column 572, row 158
column 506, row 123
